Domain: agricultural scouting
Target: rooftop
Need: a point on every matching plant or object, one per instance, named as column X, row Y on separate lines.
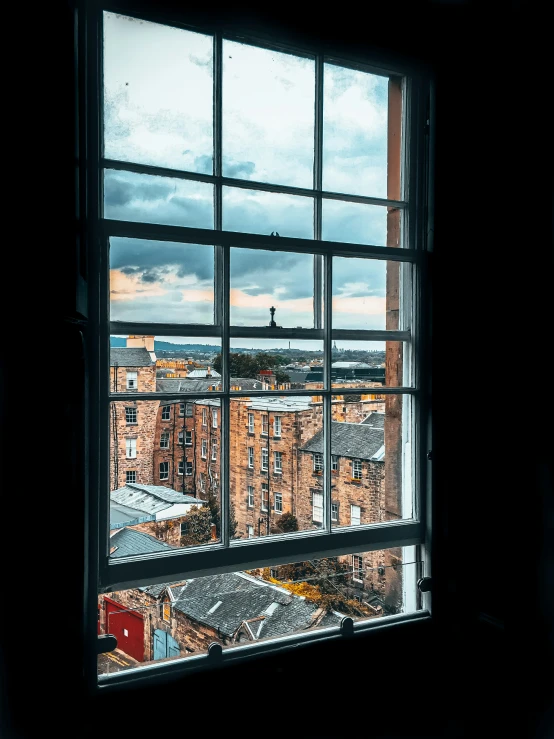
column 134, row 357
column 150, row 499
column 354, row 440
column 129, row 542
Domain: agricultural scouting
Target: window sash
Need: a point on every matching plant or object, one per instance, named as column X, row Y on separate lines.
column 278, row 462
column 250, row 423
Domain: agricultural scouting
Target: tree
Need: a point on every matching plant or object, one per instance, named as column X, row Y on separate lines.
column 215, row 512
column 287, row 522
column 281, row 377
column 198, row 527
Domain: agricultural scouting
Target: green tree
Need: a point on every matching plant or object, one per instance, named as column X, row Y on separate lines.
column 215, row 513
column 281, row 377
column 198, row 526
column 287, row 522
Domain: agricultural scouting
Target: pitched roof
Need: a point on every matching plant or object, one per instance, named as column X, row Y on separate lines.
column 130, row 357
column 350, row 365
column 129, row 542
column 375, row 420
column 150, row 499
column 350, row 440
column 122, row 515
column 203, row 373
column 199, row 384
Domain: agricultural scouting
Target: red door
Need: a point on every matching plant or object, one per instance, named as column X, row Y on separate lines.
column 128, row 628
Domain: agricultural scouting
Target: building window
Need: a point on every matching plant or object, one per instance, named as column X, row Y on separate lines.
column 250, row 489
column 188, row 438
column 250, row 423
column 251, row 457
column 204, row 417
column 357, row 469
column 317, row 507
column 214, row 451
column 357, row 568
column 184, row 528
column 278, row 463
column 204, row 448
column 214, row 418
column 188, row 409
column 164, row 470
column 202, row 481
column 181, row 409
column 180, row 438
column 334, row 463
column 278, row 502
column 318, row 462
column 265, row 424
column 164, row 440
column 180, row 467
column 249, row 531
column 130, row 448
column 166, row 611
column 166, row 412
column 132, row 380
column 334, row 511
column 130, row 415
column 355, row 515
column 277, row 426
column 265, row 496
column 188, row 468
column 131, row 476
column 265, row 455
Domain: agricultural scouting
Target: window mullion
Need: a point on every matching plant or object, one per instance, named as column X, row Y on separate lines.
column 318, row 164
column 327, row 344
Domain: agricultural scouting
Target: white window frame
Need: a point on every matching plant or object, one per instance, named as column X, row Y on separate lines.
column 204, row 416
column 181, row 409
column 355, row 515
column 264, row 463
column 130, row 411
column 250, row 423
column 164, row 440
column 249, row 531
column 202, row 482
column 188, row 410
column 188, row 437
column 277, row 427
column 230, row 555
column 318, row 462
column 334, row 463
column 278, row 502
column 181, row 438
column 357, row 568
column 278, row 463
column 317, row 507
column 188, row 468
column 265, row 424
column 334, row 512
column 214, row 451
column 250, row 494
column 214, row 418
column 130, row 472
column 166, row 413
column 130, row 448
column 265, row 497
column 204, row 448
column 181, row 467
column 131, row 380
column 250, row 457
column 357, row 469
column 164, row 475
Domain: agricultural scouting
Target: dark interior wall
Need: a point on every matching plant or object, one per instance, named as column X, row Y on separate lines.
column 483, row 461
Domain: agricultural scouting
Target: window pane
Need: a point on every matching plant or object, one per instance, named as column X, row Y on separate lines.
column 158, row 94
column 261, row 280
column 370, row 364
column 273, row 364
column 355, row 131
column 161, row 281
column 164, row 364
column 149, row 514
column 253, row 211
column 129, row 196
column 181, row 619
column 359, row 293
column 371, row 443
column 268, row 115
column 357, row 223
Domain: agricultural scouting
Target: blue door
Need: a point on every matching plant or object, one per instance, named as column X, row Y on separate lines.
column 165, row 645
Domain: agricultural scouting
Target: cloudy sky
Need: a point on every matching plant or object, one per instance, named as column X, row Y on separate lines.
column 158, row 110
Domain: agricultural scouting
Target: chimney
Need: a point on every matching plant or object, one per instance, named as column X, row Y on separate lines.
column 137, row 342
column 209, row 371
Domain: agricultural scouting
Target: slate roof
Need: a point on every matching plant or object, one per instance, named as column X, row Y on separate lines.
column 134, row 357
column 351, row 365
column 129, row 542
column 355, row 440
column 121, row 515
column 375, row 420
column 199, row 384
column 150, row 499
column 203, row 373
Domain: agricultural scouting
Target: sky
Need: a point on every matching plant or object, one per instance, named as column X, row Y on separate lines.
column 158, row 111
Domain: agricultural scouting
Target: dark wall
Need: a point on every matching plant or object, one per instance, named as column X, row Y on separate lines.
column 492, row 464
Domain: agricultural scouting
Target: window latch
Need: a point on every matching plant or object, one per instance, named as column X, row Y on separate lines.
column 106, row 643
column 424, row 584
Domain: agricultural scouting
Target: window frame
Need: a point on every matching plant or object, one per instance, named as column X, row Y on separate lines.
column 250, row 496
column 164, row 464
column 277, row 423
column 162, row 568
column 277, row 457
column 166, row 413
column 165, row 438
column 131, row 411
column 251, row 423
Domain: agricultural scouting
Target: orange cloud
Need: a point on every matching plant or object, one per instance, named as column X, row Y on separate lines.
column 240, row 299
column 129, row 287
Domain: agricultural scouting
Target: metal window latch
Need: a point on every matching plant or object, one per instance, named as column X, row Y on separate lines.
column 106, row 643
column 347, row 626
column 215, row 652
column 424, row 584
column 430, row 455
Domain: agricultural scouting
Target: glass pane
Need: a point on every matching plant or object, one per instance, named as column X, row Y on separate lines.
column 357, row 223
column 268, row 494
column 268, row 115
column 158, row 94
column 156, row 623
column 359, row 293
column 164, row 475
column 164, row 364
column 151, row 199
column 161, row 281
column 355, row 131
column 371, row 459
column 367, row 364
column 265, row 280
column 274, row 364
column 253, row 211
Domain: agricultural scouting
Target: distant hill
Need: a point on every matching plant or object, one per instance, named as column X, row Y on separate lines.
column 166, row 346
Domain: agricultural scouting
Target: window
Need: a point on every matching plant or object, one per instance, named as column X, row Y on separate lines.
column 357, row 568
column 130, row 415
column 180, row 438
column 130, row 448
column 249, row 531
column 166, row 412
column 166, row 611
column 132, row 380
column 250, row 489
column 265, row 496
column 184, row 528
column 130, row 476
column 180, row 467
column 318, row 462
column 164, row 440
column 354, row 515
column 317, row 507
column 214, row 451
column 170, row 156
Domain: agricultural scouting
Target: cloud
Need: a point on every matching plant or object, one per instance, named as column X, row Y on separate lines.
column 241, row 170
column 161, row 259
